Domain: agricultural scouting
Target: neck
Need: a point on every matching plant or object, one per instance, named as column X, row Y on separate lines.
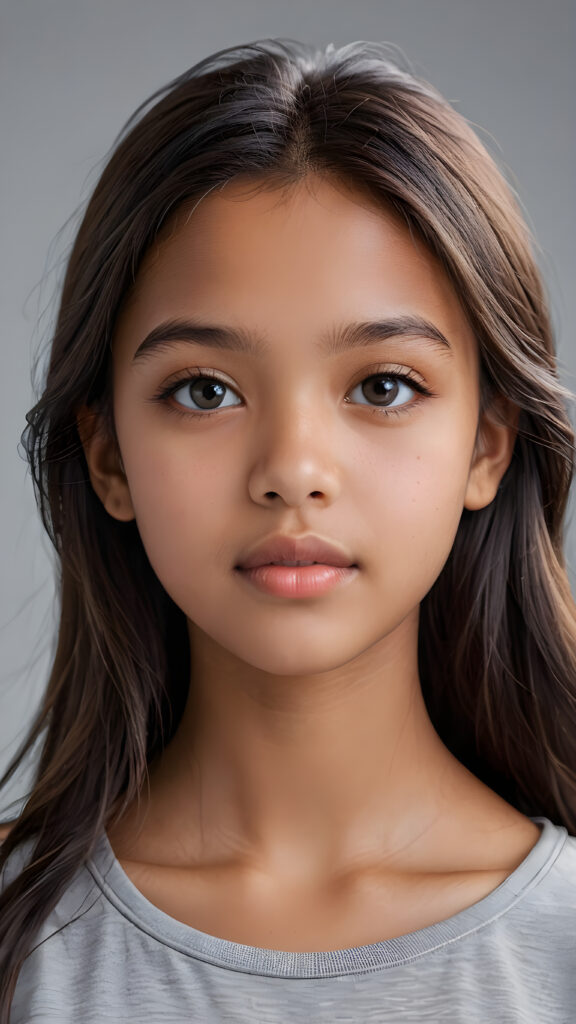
column 303, row 775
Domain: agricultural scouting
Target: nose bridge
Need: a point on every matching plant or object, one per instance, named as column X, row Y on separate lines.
column 298, row 413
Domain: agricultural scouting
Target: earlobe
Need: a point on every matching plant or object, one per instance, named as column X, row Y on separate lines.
column 107, row 474
column 495, row 441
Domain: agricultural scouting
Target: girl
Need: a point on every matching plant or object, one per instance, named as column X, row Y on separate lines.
column 308, row 743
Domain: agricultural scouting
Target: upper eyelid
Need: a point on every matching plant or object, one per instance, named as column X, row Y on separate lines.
column 396, row 369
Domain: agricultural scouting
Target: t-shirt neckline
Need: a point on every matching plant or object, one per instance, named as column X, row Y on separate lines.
column 133, row 905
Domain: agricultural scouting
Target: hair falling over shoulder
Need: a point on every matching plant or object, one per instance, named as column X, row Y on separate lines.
column 497, row 646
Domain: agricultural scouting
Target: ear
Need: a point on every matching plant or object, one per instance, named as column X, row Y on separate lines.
column 107, row 474
column 497, row 431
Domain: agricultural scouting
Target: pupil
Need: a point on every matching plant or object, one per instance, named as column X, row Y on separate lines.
column 209, row 390
column 386, row 388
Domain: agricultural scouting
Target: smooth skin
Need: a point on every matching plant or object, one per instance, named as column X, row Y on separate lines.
column 306, row 801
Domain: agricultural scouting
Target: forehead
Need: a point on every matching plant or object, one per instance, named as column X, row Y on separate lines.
column 297, row 259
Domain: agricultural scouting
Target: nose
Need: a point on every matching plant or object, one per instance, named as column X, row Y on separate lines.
column 295, row 459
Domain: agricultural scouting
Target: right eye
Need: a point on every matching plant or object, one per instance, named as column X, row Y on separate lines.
column 205, row 390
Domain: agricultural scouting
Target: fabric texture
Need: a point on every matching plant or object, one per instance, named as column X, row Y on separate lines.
column 106, row 954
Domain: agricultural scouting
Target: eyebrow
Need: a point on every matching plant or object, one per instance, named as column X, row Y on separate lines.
column 350, row 336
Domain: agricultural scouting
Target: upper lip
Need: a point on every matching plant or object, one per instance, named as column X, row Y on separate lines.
column 282, row 548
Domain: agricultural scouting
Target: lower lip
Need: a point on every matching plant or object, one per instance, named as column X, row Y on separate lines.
column 298, row 581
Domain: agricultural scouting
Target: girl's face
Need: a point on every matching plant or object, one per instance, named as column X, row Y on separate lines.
column 370, row 446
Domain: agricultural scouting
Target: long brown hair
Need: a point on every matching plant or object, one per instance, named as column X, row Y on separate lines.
column 497, row 643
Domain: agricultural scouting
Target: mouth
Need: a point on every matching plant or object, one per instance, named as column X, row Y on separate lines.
column 285, row 551
column 290, row 565
column 297, row 579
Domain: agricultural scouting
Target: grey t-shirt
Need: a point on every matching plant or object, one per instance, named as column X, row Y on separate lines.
column 108, row 955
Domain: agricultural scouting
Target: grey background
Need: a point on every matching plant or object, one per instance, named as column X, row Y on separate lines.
column 72, row 71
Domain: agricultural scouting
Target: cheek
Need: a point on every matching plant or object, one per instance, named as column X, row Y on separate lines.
column 182, row 504
column 412, row 495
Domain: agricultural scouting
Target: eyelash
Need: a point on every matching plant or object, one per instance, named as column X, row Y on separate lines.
column 391, row 373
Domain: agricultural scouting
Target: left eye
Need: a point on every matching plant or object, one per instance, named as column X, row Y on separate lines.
column 386, row 389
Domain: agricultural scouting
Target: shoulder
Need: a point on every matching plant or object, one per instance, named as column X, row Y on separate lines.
column 547, row 900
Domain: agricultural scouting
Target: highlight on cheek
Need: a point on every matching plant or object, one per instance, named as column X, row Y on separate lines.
column 387, row 391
